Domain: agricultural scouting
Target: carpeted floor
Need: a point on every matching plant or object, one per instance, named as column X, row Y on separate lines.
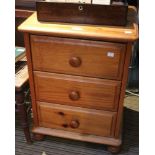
column 59, row 146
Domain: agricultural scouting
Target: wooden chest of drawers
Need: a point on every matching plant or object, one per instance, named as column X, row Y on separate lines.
column 78, row 76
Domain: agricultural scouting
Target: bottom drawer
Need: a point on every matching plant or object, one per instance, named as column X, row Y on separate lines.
column 76, row 119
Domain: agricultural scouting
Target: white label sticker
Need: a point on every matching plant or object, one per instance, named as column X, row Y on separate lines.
column 128, row 32
column 110, row 54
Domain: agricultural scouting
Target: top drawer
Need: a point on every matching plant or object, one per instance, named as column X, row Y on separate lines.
column 78, row 57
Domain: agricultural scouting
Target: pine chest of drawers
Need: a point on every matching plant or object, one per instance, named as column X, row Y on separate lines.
column 78, row 77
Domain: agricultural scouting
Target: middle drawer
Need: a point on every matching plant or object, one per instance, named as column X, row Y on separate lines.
column 77, row 91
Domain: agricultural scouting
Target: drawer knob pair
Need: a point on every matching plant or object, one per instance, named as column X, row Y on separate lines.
column 74, row 124
column 75, row 62
column 74, row 95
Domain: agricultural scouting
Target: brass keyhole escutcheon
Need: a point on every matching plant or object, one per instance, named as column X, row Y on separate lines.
column 80, row 8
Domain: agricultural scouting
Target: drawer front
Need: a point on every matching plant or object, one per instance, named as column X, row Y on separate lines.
column 77, row 91
column 78, row 57
column 81, row 120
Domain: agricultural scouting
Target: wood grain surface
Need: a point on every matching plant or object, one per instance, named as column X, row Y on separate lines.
column 82, row 13
column 122, row 92
column 106, row 33
column 93, row 93
column 31, row 81
column 89, row 121
column 97, row 59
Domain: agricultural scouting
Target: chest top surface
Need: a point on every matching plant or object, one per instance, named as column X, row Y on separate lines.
column 129, row 33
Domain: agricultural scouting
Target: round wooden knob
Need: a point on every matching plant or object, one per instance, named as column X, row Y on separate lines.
column 74, row 124
column 75, row 62
column 74, row 95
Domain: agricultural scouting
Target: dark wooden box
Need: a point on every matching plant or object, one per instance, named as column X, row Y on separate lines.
column 115, row 15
